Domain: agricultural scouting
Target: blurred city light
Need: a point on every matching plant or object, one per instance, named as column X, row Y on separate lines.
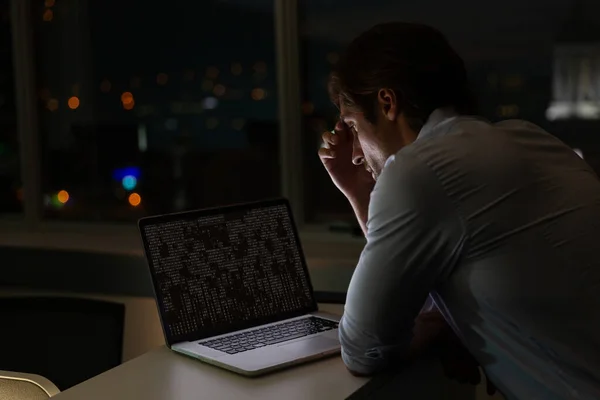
column 129, row 182
column 62, row 196
column 134, row 199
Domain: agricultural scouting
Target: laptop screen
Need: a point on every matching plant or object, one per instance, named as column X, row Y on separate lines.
column 220, row 270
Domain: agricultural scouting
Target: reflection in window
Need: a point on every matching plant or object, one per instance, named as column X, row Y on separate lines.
column 147, row 110
column 576, row 83
column 507, row 111
column 576, row 80
column 11, row 194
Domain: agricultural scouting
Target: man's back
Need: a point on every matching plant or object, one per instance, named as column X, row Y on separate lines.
column 525, row 293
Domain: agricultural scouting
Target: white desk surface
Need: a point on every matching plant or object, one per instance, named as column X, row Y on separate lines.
column 164, row 375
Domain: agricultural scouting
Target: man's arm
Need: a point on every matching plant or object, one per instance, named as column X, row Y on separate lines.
column 429, row 324
column 360, row 205
column 414, row 238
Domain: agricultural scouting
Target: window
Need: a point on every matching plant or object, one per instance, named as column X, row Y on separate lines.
column 144, row 108
column 326, row 29
column 321, row 41
column 507, row 111
column 500, row 62
column 151, row 108
column 11, row 194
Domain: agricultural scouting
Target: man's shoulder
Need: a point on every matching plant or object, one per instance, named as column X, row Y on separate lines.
column 474, row 125
column 465, row 147
column 406, row 176
column 467, row 136
column 466, row 126
column 409, row 191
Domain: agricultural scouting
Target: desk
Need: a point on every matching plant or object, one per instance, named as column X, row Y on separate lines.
column 162, row 374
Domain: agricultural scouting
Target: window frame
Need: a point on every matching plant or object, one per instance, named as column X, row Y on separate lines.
column 26, row 105
column 25, row 230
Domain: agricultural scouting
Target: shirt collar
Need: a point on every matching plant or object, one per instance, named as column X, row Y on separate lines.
column 438, row 123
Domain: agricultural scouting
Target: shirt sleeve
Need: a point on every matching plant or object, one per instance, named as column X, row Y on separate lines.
column 414, row 238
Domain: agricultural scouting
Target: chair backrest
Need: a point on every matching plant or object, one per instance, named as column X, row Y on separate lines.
column 19, row 386
column 67, row 340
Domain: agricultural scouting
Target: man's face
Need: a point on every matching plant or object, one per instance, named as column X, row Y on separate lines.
column 370, row 144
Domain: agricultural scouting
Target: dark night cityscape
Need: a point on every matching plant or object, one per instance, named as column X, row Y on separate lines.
column 155, row 109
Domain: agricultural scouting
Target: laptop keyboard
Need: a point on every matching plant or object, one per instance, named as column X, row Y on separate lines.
column 270, row 335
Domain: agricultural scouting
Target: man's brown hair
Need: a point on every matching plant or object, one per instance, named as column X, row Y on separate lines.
column 414, row 60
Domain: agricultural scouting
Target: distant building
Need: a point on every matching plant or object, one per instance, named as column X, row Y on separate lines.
column 576, row 74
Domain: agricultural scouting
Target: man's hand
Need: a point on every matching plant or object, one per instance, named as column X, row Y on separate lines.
column 432, row 334
column 354, row 181
column 459, row 364
column 429, row 330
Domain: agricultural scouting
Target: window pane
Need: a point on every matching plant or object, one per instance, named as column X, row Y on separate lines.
column 10, row 185
column 150, row 108
column 510, row 58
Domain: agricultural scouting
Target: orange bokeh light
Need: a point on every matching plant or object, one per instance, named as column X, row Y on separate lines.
column 258, row 94
column 73, row 102
column 48, row 15
column 134, row 199
column 129, row 106
column 52, row 104
column 63, row 196
column 127, row 98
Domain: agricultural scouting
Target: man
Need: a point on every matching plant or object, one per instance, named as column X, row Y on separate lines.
column 496, row 223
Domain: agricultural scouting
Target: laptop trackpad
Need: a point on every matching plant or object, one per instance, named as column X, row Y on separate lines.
column 313, row 345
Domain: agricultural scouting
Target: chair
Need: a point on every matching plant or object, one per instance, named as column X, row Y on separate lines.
column 19, row 386
column 67, row 340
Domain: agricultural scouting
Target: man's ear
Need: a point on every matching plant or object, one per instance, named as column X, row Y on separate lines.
column 388, row 104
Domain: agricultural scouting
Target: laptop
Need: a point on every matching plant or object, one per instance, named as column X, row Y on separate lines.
column 233, row 290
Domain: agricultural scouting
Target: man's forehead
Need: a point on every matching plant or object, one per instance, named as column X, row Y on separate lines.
column 343, row 109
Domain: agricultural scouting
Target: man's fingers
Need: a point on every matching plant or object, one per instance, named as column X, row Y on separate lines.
column 326, row 154
column 329, row 139
column 490, row 387
column 475, row 378
column 338, row 136
column 341, row 126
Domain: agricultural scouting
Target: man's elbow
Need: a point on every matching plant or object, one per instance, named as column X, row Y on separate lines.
column 361, row 368
column 364, row 356
column 371, row 366
column 359, row 374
